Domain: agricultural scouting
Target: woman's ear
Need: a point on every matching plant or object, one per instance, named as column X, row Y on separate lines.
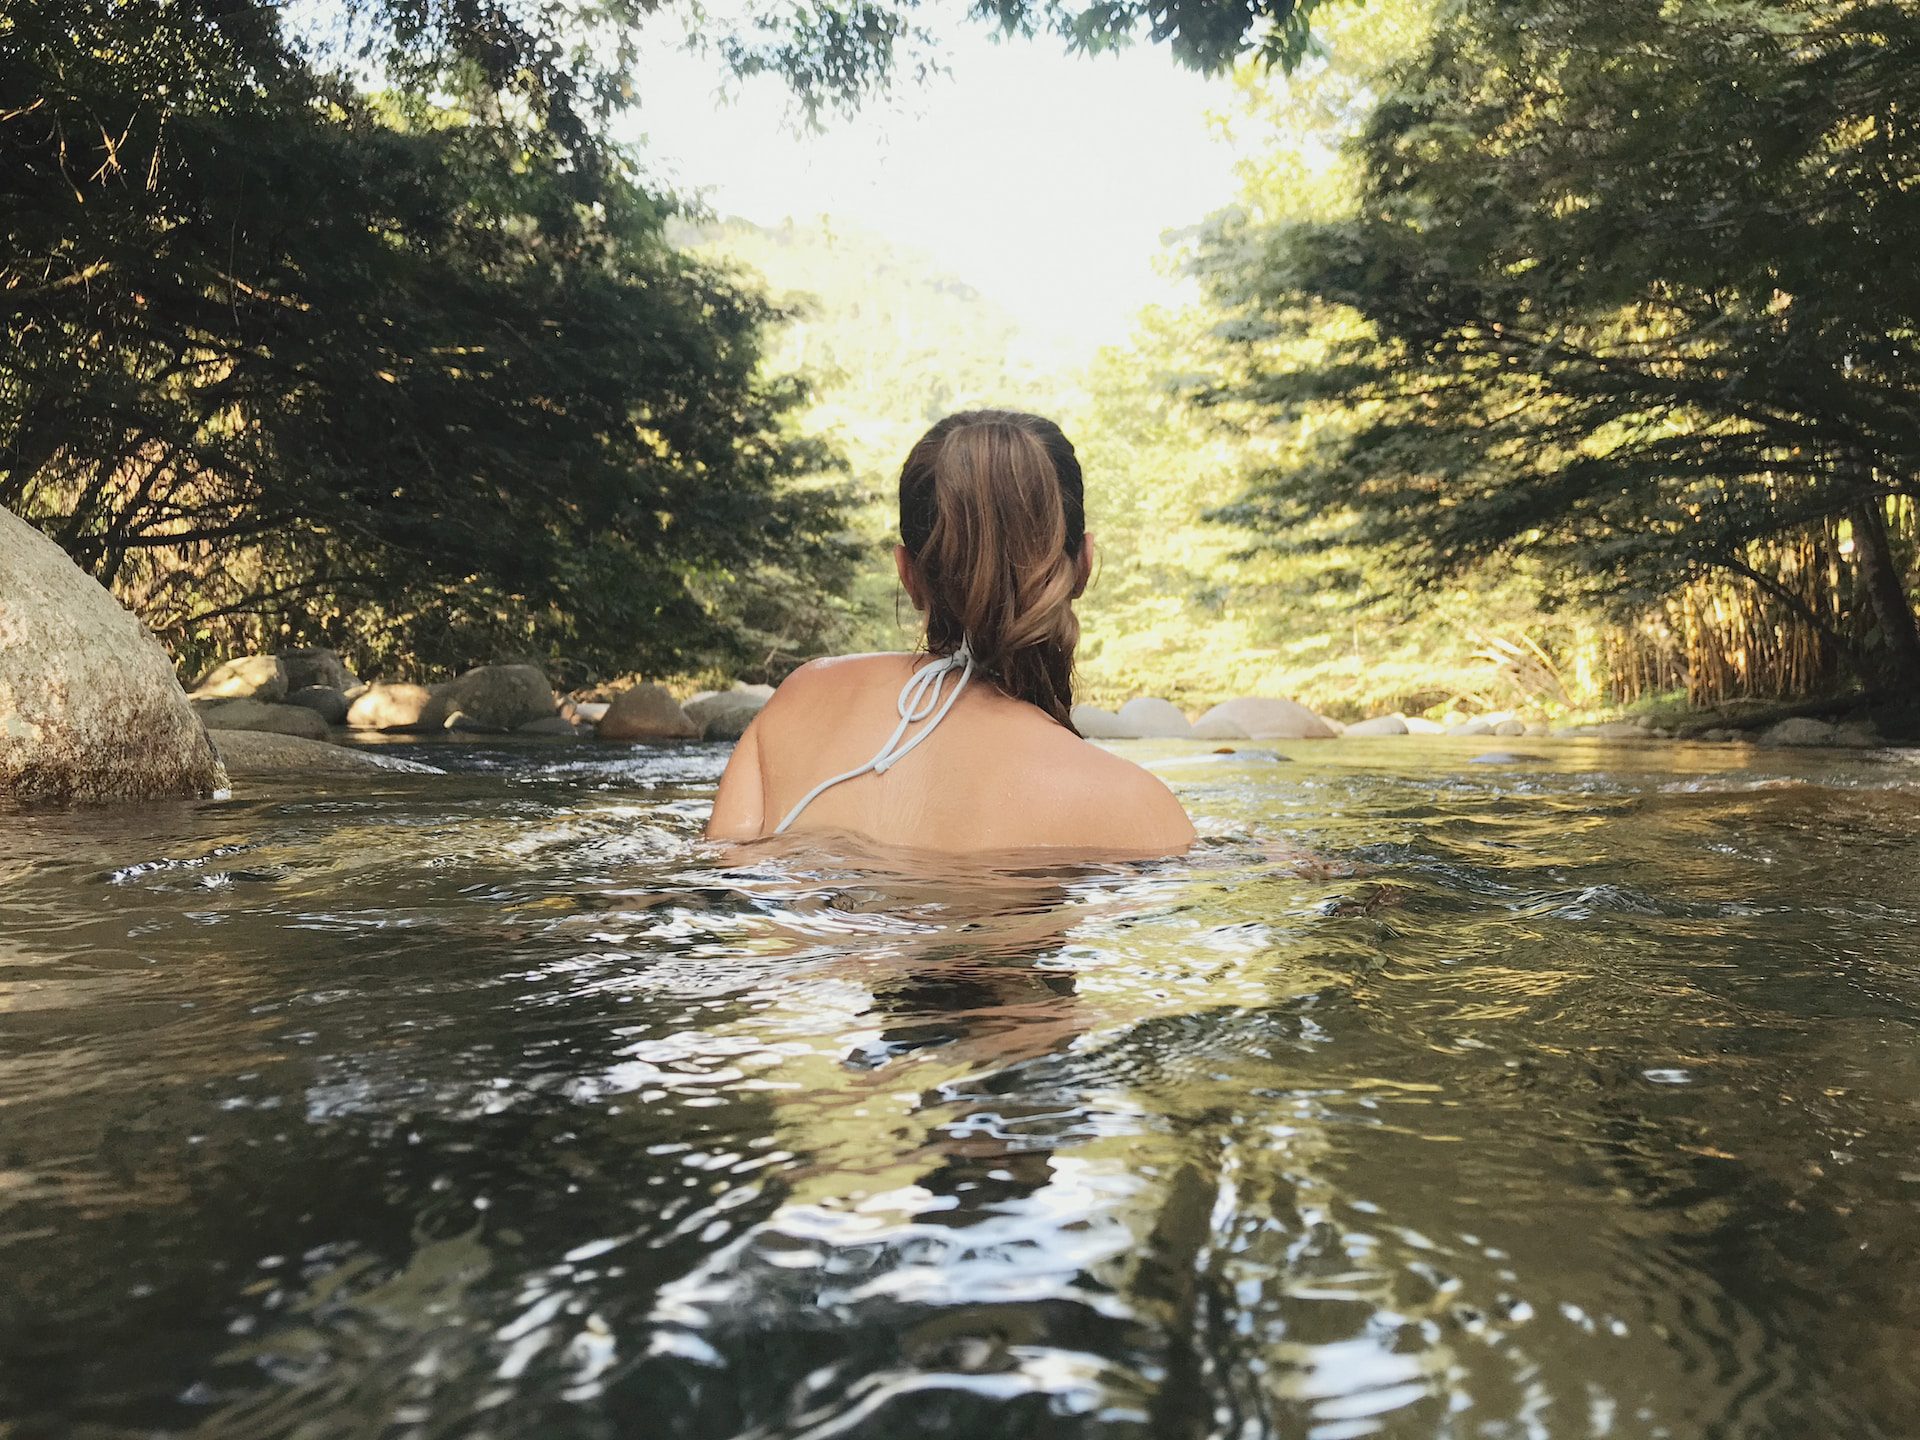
column 1083, row 566
column 909, row 576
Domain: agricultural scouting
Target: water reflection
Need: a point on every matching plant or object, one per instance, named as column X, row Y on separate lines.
column 1425, row 1099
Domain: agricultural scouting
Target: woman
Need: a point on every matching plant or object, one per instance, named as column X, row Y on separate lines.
column 968, row 747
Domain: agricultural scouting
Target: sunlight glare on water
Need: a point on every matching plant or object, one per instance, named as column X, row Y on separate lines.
column 1425, row 1098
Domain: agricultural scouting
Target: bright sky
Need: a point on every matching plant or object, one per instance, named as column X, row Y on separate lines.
column 1042, row 179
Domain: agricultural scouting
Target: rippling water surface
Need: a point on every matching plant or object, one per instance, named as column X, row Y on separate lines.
column 1573, row 1096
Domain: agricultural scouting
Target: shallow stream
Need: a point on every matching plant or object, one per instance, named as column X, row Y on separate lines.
column 1574, row 1096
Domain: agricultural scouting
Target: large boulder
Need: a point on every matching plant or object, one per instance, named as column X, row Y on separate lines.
column 1378, row 725
column 308, row 668
column 90, row 708
column 1151, row 718
column 328, row 703
column 1097, row 724
column 258, row 752
column 1420, row 725
column 646, row 712
column 389, row 707
column 491, row 697
column 249, row 677
column 257, row 715
column 1259, row 719
column 725, row 714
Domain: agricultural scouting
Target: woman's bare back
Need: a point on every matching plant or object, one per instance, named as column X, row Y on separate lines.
column 997, row 774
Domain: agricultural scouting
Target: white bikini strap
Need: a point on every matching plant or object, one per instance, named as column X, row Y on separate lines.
column 918, row 699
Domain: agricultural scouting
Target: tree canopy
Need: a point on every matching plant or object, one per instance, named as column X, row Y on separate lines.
column 1619, row 289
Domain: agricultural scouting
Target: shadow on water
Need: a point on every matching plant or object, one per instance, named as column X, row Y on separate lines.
column 1426, row 1098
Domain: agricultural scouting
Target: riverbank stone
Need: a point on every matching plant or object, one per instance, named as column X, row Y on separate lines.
column 258, row 715
column 1147, row 717
column 1378, row 725
column 558, row 725
column 246, row 677
column 1263, row 719
column 495, row 698
column 646, row 712
column 90, row 707
column 390, row 707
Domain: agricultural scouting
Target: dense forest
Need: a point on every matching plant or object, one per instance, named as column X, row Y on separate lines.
column 1550, row 353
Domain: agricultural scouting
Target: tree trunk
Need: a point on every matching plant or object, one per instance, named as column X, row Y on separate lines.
column 1887, row 593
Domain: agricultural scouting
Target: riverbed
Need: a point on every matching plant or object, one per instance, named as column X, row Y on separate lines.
column 1574, row 1094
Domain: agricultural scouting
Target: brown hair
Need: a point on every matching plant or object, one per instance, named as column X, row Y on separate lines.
column 992, row 512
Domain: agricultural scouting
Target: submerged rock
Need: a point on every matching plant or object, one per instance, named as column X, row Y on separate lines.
column 1147, row 717
column 491, row 697
column 257, row 715
column 249, row 677
column 1261, row 719
column 257, row 752
column 90, row 708
column 551, row 725
column 389, row 707
column 646, row 712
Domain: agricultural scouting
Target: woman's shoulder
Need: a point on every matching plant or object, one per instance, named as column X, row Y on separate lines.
column 840, row 676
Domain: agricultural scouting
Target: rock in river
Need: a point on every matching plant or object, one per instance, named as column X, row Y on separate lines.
column 390, row 707
column 256, row 752
column 491, row 697
column 1378, row 725
column 250, row 677
column 90, row 708
column 1258, row 719
column 325, row 701
column 725, row 714
column 1149, row 718
column 255, row 715
column 306, row 668
column 646, row 712
column 1097, row 724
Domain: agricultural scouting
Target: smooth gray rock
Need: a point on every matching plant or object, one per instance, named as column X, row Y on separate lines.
column 591, row 711
column 1419, row 725
column 1148, row 717
column 1377, row 725
column 390, row 707
column 248, row 677
column 258, row 752
column 258, row 715
column 1264, row 719
column 1504, row 757
column 325, row 701
column 1097, row 724
column 553, row 725
column 491, row 697
column 646, row 712
column 90, row 707
column 313, row 666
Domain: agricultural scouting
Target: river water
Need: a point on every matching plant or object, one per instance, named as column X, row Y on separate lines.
column 1572, row 1096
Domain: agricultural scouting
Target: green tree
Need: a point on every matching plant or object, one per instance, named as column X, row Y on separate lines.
column 1617, row 292
column 288, row 358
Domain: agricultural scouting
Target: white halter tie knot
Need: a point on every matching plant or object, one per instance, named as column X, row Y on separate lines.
column 920, row 699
